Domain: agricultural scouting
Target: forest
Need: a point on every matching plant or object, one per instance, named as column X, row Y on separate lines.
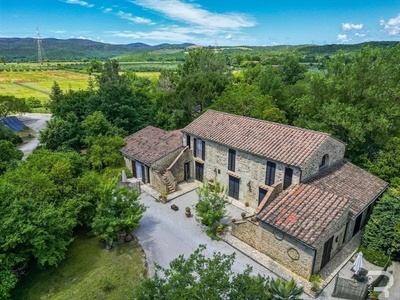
column 355, row 98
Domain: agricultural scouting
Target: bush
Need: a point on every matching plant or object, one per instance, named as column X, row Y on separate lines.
column 375, row 257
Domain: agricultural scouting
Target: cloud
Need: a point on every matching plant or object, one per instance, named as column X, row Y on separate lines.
column 130, row 17
column 107, row 10
column 79, row 2
column 228, row 37
column 156, row 35
column 350, row 26
column 194, row 14
column 360, row 34
column 392, row 26
column 343, row 38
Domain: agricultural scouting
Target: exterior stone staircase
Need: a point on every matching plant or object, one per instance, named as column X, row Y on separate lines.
column 168, row 184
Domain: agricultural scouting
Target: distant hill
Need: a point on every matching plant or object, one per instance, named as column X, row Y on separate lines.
column 25, row 49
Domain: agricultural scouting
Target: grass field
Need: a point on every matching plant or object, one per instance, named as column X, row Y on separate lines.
column 88, row 272
column 37, row 84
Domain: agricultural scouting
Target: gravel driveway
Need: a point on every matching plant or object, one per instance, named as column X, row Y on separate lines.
column 35, row 122
column 164, row 234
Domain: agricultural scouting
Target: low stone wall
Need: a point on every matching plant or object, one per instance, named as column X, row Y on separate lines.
column 282, row 248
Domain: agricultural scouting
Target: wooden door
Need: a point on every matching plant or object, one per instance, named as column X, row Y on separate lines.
column 326, row 256
column 234, row 187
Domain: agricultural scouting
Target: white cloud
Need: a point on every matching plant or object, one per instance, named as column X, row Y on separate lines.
column 130, row 17
column 156, row 35
column 107, row 10
column 360, row 34
column 392, row 26
column 350, row 26
column 343, row 38
column 79, row 2
column 194, row 14
column 228, row 37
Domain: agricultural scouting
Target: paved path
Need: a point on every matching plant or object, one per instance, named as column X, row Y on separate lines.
column 165, row 234
column 35, row 122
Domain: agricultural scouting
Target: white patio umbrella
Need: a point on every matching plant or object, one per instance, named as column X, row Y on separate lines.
column 358, row 263
column 124, row 178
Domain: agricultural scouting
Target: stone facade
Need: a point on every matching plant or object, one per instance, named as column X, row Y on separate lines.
column 332, row 147
column 251, row 169
column 281, row 247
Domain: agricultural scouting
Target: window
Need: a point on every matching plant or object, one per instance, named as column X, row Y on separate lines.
column 199, row 148
column 324, row 161
column 270, row 176
column 231, row 160
column 188, row 141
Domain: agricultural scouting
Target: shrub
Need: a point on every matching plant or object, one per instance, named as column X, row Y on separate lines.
column 375, row 257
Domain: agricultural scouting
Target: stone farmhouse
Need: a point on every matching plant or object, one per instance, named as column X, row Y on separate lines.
column 308, row 200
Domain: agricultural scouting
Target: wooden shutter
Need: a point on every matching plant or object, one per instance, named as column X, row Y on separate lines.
column 270, row 176
column 195, row 147
column 203, row 152
column 231, row 160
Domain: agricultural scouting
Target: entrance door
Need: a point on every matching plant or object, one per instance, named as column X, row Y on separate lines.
column 357, row 225
column 261, row 195
column 186, row 171
column 327, row 252
column 287, row 181
column 233, row 187
column 199, row 171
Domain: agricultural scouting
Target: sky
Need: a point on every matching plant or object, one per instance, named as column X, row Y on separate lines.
column 204, row 22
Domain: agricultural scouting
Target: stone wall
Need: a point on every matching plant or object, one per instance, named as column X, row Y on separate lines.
column 156, row 181
column 337, row 231
column 251, row 169
column 177, row 169
column 282, row 248
column 163, row 163
column 128, row 163
column 331, row 146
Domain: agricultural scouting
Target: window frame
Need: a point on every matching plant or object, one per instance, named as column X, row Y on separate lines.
column 231, row 160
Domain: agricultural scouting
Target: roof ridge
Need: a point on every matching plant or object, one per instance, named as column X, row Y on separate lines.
column 275, row 123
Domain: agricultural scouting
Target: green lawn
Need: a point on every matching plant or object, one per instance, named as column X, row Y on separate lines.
column 88, row 272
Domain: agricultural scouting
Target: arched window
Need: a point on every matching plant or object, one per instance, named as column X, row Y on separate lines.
column 324, row 161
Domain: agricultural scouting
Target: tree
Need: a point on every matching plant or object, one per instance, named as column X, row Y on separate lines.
column 355, row 100
column 246, row 100
column 104, row 151
column 56, row 97
column 9, row 135
column 291, row 70
column 118, row 211
column 62, row 133
column 199, row 277
column 11, row 104
column 96, row 124
column 202, row 61
column 9, row 155
column 381, row 232
column 211, row 205
column 386, row 164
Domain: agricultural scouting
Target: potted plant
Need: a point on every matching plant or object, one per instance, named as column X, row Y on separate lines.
column 188, row 213
column 220, row 229
column 315, row 281
column 374, row 295
column 164, row 196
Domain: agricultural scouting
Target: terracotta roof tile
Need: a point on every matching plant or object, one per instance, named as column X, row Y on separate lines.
column 305, row 212
column 349, row 181
column 284, row 143
column 150, row 144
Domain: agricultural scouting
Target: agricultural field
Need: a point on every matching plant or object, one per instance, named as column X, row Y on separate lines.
column 37, row 84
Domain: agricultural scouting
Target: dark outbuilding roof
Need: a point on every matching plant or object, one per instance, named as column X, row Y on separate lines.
column 151, row 144
column 284, row 143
